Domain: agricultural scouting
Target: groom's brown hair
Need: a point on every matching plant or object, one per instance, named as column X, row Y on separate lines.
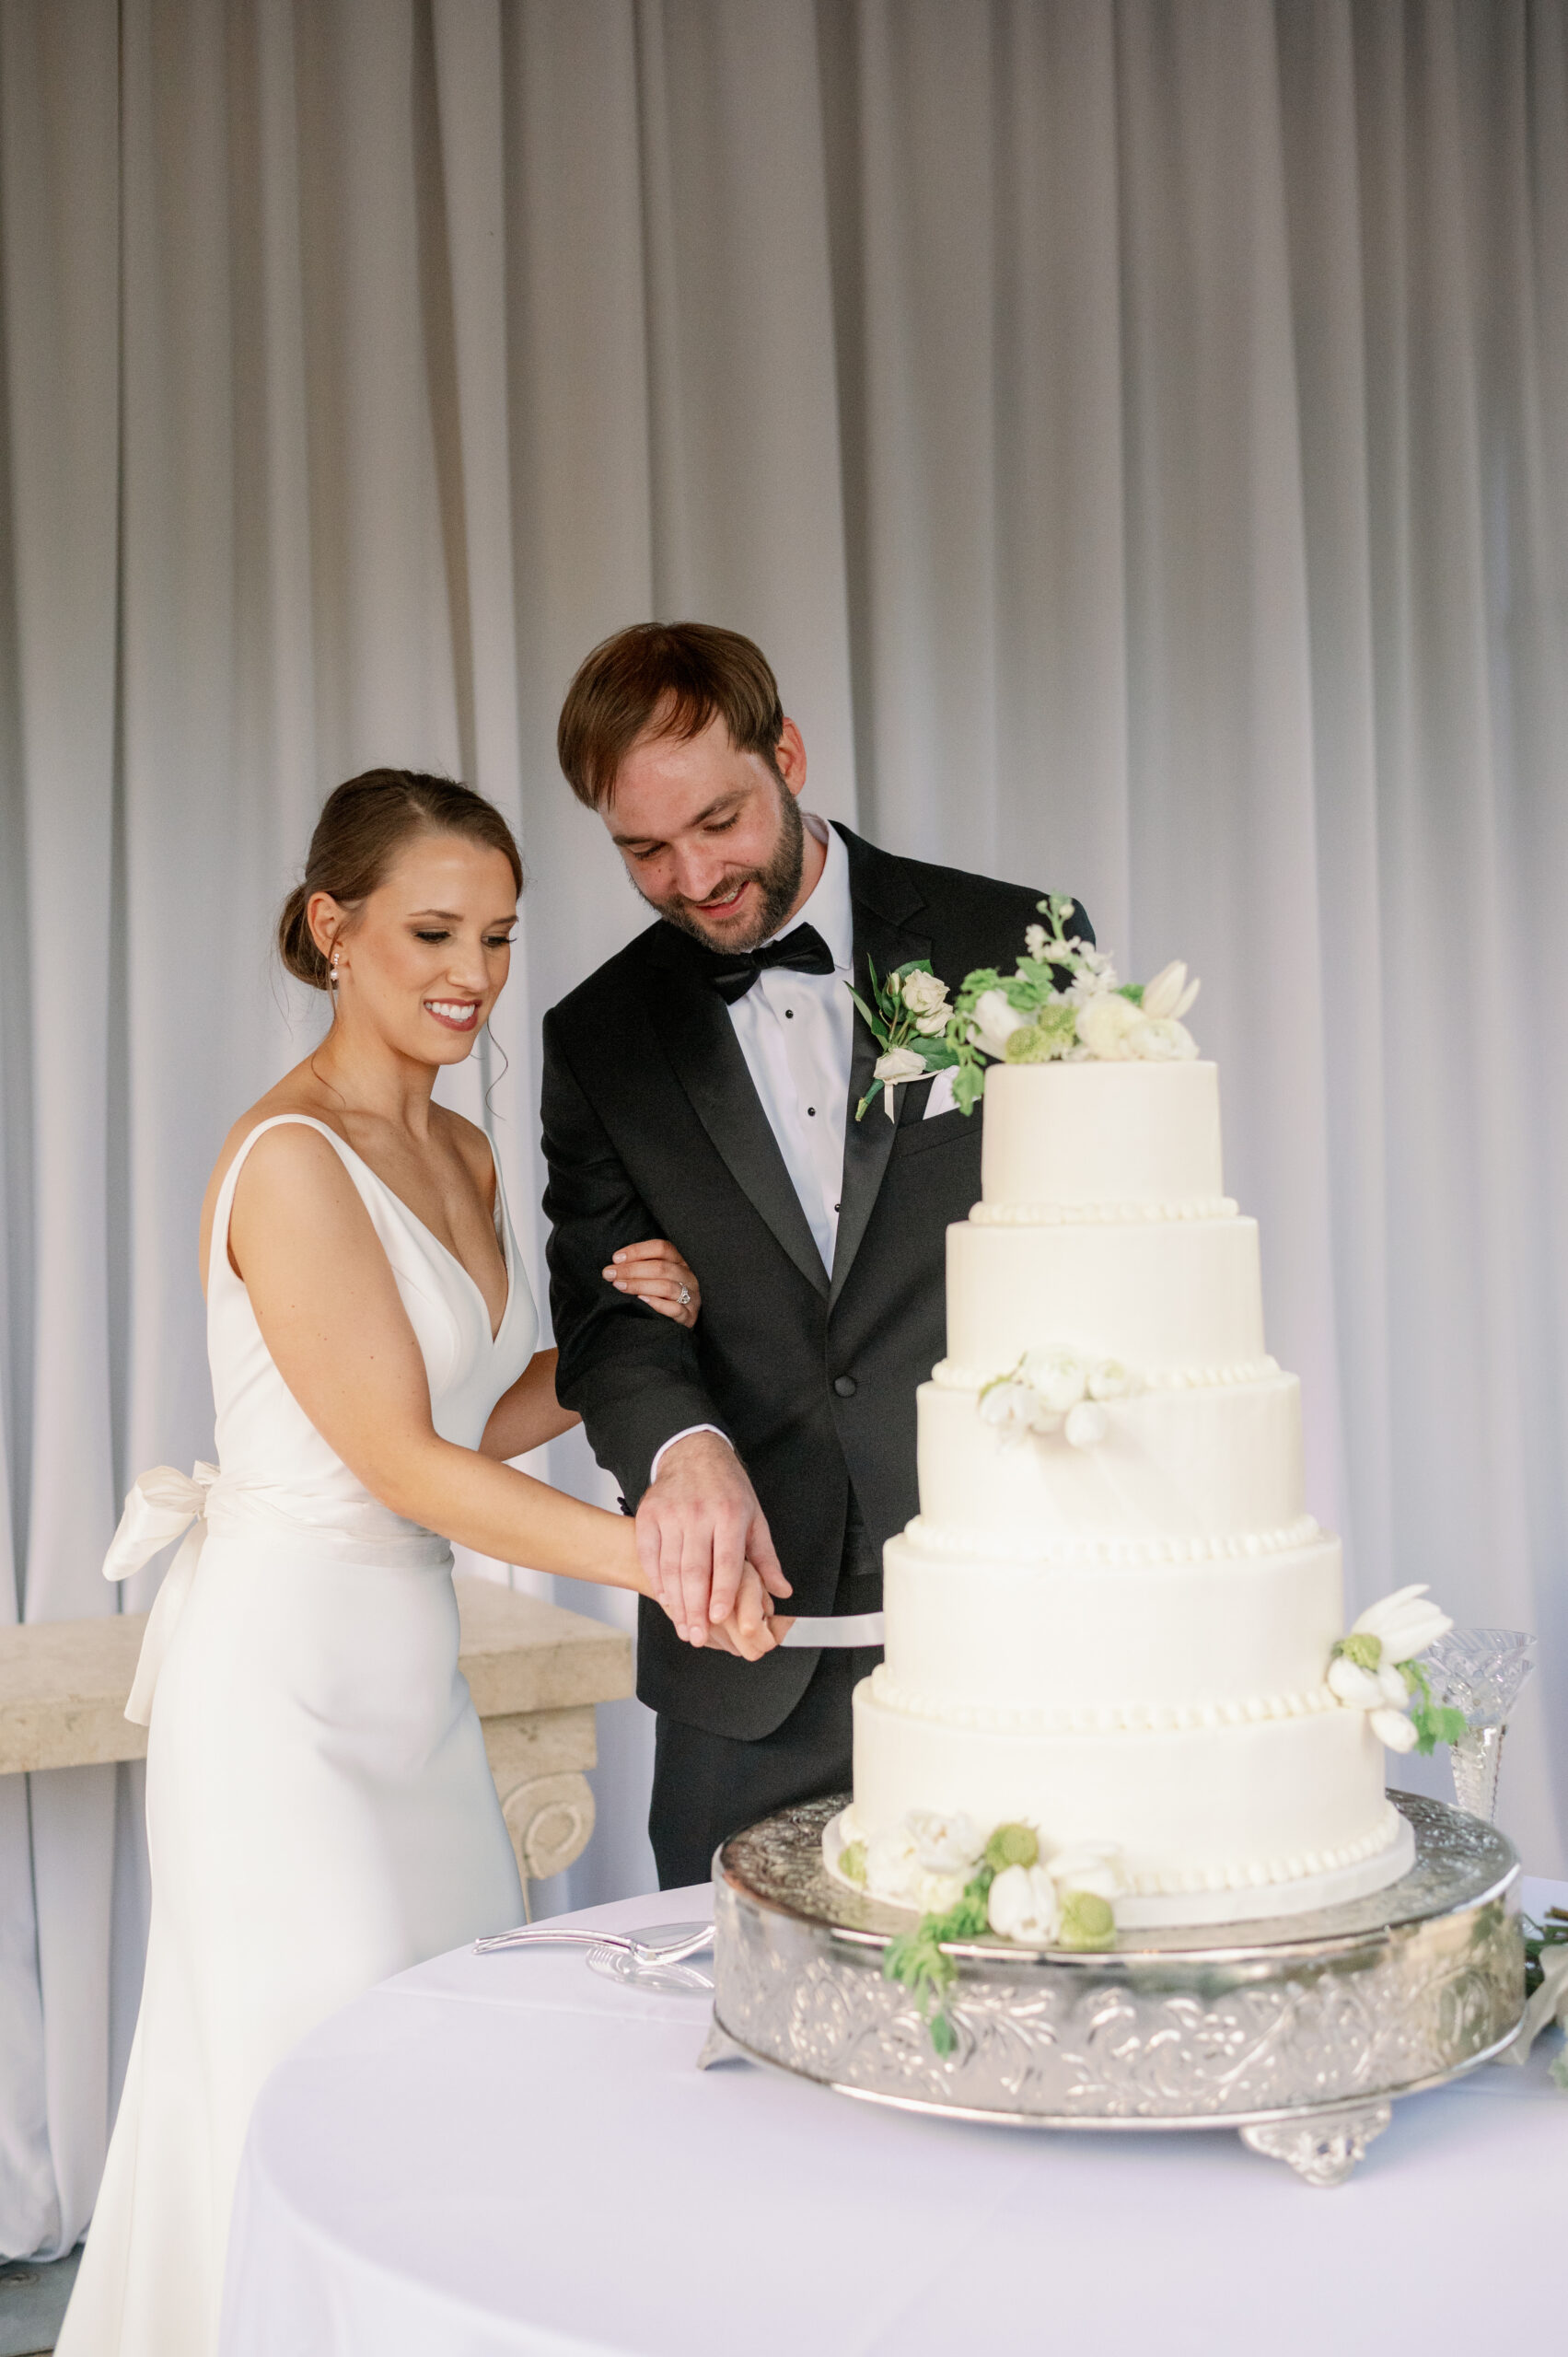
column 675, row 676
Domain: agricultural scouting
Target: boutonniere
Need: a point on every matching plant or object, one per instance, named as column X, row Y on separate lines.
column 908, row 1018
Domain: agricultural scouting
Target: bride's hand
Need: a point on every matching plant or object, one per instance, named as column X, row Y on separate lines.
column 656, row 1274
column 752, row 1630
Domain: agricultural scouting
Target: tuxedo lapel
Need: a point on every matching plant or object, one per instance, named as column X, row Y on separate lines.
column 693, row 1024
column 886, row 904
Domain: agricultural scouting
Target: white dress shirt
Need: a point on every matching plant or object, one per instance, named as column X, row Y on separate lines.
column 796, row 1033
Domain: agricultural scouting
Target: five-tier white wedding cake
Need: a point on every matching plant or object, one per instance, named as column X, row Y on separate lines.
column 1112, row 1622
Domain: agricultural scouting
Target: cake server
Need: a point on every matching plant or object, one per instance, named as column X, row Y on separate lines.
column 837, row 1630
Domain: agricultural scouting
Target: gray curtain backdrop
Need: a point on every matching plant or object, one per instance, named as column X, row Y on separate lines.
column 1137, row 432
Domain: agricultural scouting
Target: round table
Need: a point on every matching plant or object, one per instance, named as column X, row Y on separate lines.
column 500, row 2155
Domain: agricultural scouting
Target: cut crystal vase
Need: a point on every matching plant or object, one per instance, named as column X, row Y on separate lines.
column 1479, row 1672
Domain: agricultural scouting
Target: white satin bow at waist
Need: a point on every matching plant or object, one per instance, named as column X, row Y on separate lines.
column 165, row 1504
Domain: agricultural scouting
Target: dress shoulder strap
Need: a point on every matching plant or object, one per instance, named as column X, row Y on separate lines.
column 223, row 1209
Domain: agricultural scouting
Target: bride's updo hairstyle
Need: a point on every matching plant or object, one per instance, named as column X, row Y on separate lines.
column 363, row 827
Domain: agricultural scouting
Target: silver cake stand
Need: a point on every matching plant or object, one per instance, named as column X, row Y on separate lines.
column 1298, row 2031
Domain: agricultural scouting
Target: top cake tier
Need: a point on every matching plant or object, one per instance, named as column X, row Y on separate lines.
column 1095, row 1138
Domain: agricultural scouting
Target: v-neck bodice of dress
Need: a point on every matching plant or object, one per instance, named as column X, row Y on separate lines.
column 275, row 1467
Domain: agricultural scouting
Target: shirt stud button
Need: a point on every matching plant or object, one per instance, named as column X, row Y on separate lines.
column 845, row 1386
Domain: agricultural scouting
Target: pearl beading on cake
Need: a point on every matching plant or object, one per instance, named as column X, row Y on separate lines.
column 949, row 1375
column 1127, row 1718
column 1259, row 1873
column 1101, row 1215
column 1029, row 1546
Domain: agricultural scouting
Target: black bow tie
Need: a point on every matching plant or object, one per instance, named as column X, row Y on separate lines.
column 732, row 972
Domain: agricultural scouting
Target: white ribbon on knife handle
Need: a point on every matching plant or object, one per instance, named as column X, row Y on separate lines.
column 163, row 1505
column 837, row 1630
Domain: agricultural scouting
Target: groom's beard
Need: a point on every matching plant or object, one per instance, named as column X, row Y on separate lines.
column 779, row 884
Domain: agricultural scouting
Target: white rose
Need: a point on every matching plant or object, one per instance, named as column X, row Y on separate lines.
column 923, row 992
column 948, row 1845
column 930, row 1027
column 1393, row 1729
column 899, row 1064
column 1086, row 1426
column 893, row 1870
column 1160, row 1040
column 994, row 1022
column 1104, row 1024
column 1094, row 1866
column 1358, row 1689
column 1036, row 940
column 1061, row 1379
column 1170, row 992
column 1023, row 1906
column 1108, row 1379
column 1404, row 1625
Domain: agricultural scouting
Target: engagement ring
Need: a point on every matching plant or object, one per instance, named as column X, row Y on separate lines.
column 685, row 1297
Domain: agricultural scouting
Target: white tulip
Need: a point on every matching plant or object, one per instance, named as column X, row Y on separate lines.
column 1086, row 1426
column 1094, row 1866
column 1163, row 995
column 1105, row 1025
column 1404, row 1625
column 1023, row 1905
column 948, row 1845
column 1160, row 1040
column 923, row 992
column 1393, row 1730
column 1396, row 1693
column 1358, row 1689
column 994, row 1022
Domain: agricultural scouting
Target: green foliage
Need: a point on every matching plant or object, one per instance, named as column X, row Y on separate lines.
column 918, row 1959
column 851, row 1862
column 1552, row 1931
column 1365, row 1650
column 1434, row 1722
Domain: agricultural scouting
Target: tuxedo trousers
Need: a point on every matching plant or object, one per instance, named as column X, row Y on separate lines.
column 708, row 1786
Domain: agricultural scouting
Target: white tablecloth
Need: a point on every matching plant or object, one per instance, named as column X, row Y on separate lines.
column 500, row 2154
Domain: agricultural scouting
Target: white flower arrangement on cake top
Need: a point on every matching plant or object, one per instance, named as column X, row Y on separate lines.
column 967, row 1884
column 1056, row 1390
column 1374, row 1669
column 1062, row 1004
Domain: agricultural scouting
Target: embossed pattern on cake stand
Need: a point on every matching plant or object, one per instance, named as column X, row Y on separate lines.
column 1297, row 2032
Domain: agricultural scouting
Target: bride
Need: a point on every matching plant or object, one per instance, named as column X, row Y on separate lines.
column 320, row 1810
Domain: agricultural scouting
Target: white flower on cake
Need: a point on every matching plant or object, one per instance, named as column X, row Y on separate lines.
column 1055, row 1390
column 1066, row 1899
column 994, row 1022
column 1171, row 994
column 1023, row 1905
column 1373, row 1669
column 1106, row 1024
column 1160, row 1040
column 944, row 1844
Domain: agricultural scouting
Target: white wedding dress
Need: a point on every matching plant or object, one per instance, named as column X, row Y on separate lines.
column 320, row 1810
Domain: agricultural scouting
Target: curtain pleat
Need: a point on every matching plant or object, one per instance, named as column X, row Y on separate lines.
column 1138, row 431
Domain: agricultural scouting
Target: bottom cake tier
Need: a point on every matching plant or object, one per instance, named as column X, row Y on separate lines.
column 1219, row 1824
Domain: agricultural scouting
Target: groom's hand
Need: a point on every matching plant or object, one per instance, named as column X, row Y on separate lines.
column 698, row 1527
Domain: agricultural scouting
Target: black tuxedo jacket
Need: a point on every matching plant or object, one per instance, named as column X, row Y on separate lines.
column 652, row 1127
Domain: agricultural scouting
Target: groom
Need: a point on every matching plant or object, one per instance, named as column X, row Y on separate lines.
column 702, row 1086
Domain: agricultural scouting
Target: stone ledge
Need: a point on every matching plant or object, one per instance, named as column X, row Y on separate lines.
column 63, row 1684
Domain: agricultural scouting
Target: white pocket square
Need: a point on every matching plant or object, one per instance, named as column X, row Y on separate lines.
column 941, row 1099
